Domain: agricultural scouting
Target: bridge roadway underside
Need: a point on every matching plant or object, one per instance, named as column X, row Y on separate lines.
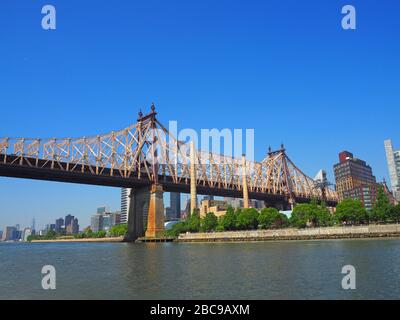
column 105, row 179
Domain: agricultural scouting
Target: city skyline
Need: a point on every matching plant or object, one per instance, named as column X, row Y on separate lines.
column 290, row 83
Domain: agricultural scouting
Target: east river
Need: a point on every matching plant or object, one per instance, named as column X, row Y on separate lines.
column 248, row 270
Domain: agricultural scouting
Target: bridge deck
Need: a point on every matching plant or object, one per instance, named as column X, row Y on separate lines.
column 45, row 170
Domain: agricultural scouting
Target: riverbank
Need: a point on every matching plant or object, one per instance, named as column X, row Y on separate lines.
column 347, row 232
column 109, row 239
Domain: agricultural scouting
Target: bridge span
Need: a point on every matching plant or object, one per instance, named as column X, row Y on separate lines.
column 149, row 159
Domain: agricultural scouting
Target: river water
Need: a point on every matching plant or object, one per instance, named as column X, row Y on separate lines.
column 250, row 270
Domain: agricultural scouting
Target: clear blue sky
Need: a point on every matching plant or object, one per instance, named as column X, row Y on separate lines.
column 285, row 68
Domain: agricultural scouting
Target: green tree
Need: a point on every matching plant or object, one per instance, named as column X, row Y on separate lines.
column 119, row 230
column 193, row 222
column 99, row 234
column 300, row 215
column 51, row 234
column 311, row 214
column 228, row 221
column 382, row 207
column 323, row 216
column 33, row 237
column 220, row 224
column 177, row 229
column 80, row 235
column 394, row 213
column 247, row 219
column 272, row 218
column 351, row 211
column 209, row 222
column 89, row 233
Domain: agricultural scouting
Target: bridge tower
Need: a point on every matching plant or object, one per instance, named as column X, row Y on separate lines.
column 152, row 197
column 287, row 178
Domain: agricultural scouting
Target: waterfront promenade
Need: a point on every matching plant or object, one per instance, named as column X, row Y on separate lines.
column 345, row 232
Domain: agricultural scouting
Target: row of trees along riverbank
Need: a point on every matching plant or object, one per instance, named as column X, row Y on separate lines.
column 348, row 212
column 118, row 230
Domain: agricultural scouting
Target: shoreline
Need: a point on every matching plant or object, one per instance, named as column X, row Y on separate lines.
column 304, row 238
column 110, row 239
column 291, row 234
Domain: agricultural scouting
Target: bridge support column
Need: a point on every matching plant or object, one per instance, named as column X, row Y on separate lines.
column 244, row 183
column 137, row 204
column 193, row 192
column 155, row 222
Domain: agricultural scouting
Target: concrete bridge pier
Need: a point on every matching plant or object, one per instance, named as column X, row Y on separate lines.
column 146, row 213
column 155, row 218
column 139, row 200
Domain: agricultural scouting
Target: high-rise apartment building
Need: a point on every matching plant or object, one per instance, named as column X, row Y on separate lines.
column 125, row 201
column 354, row 179
column 115, row 218
column 9, row 233
column 59, row 225
column 96, row 222
column 68, row 220
column 102, row 210
column 26, row 233
column 393, row 161
column 105, row 221
column 73, row 227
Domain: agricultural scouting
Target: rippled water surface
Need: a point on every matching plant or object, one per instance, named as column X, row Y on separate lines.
column 262, row 270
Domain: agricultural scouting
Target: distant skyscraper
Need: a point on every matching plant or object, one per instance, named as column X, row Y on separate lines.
column 59, row 224
column 125, row 201
column 33, row 226
column 9, row 234
column 115, row 218
column 106, row 222
column 354, row 179
column 96, row 222
column 101, row 210
column 393, row 161
column 73, row 227
column 68, row 220
column 175, row 205
column 26, row 233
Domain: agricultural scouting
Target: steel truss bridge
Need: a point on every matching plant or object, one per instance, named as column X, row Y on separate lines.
column 146, row 153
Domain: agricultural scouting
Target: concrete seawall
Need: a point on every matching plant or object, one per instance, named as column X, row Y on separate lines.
column 368, row 231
